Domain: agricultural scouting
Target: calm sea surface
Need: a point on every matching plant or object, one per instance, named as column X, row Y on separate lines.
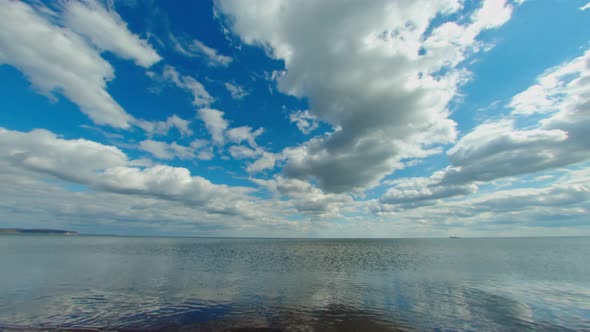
column 131, row 283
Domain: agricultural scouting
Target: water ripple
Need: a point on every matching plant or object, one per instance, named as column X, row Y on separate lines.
column 295, row 285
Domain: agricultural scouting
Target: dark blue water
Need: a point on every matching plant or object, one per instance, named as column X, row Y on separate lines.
column 520, row 284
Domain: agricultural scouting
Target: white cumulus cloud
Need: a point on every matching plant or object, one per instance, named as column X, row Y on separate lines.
column 108, row 32
column 197, row 149
column 67, row 59
column 382, row 80
column 163, row 127
column 215, row 124
column 106, row 168
column 305, row 121
column 499, row 149
column 236, row 91
column 200, row 95
column 196, row 48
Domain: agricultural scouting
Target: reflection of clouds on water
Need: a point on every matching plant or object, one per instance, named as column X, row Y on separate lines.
column 324, row 309
column 322, row 298
column 561, row 302
column 344, row 318
column 498, row 312
column 295, row 285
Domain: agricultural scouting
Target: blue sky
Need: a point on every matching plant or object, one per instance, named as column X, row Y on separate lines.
column 288, row 119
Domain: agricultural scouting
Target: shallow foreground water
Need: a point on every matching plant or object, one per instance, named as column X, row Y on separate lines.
column 134, row 283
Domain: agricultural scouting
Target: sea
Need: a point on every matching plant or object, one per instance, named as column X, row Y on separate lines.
column 248, row 284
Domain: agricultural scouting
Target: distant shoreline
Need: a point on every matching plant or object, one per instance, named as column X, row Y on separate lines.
column 32, row 231
column 24, row 231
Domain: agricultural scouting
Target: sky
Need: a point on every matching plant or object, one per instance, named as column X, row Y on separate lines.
column 302, row 118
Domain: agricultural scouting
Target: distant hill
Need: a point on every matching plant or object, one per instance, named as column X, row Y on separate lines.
column 6, row 231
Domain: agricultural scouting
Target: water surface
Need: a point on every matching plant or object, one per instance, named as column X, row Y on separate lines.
column 130, row 283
